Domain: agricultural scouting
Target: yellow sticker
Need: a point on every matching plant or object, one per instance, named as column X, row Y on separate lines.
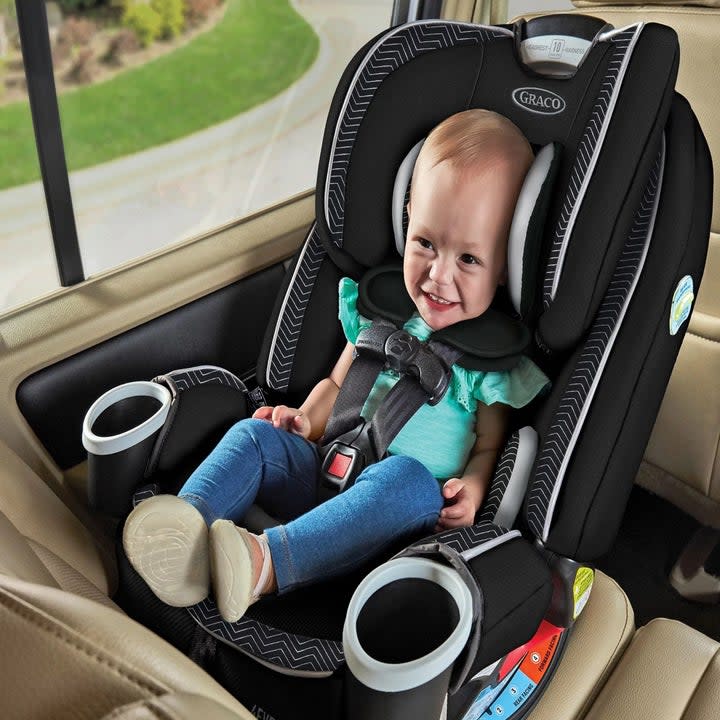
column 581, row 588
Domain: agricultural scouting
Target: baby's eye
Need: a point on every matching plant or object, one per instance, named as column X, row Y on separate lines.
column 469, row 259
column 425, row 243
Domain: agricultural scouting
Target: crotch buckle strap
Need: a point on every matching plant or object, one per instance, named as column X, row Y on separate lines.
column 342, row 464
column 405, row 354
column 345, row 458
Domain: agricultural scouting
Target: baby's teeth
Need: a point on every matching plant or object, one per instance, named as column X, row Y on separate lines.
column 438, row 299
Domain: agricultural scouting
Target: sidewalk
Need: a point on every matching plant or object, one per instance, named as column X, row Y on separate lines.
column 146, row 201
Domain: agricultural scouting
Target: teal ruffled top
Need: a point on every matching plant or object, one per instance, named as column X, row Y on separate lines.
column 441, row 436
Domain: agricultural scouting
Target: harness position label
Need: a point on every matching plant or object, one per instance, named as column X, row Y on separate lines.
column 562, row 49
column 681, row 303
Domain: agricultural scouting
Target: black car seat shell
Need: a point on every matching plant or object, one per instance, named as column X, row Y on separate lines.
column 619, row 239
column 682, row 454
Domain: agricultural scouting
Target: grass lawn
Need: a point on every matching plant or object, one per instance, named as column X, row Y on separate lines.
column 259, row 48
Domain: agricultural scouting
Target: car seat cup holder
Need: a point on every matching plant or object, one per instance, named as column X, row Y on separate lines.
column 406, row 624
column 119, row 432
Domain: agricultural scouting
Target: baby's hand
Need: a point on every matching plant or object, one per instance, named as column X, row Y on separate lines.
column 461, row 504
column 287, row 418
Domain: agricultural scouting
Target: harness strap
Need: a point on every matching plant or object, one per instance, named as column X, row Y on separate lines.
column 350, row 443
column 364, row 370
column 405, row 398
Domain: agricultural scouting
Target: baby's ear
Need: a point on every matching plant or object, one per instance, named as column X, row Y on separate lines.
column 407, row 208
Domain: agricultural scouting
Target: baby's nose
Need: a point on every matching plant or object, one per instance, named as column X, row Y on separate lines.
column 441, row 271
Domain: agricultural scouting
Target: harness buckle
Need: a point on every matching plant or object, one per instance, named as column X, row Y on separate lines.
column 406, row 354
column 371, row 341
column 341, row 466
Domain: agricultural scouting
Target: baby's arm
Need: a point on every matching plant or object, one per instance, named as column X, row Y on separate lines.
column 312, row 416
column 464, row 495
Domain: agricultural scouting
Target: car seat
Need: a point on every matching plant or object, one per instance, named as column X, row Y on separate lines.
column 620, row 253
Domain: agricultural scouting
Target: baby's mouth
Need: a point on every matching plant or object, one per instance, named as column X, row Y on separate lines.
column 437, row 300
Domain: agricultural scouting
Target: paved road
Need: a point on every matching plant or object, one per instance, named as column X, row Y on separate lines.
column 146, row 201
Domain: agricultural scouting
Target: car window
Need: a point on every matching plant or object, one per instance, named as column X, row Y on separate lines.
column 178, row 117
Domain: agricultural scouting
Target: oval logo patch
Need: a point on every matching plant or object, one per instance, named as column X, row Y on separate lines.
column 538, row 100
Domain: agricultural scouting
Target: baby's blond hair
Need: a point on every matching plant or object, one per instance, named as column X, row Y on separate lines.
column 477, row 138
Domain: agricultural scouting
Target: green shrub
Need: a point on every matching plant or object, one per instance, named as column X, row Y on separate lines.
column 144, row 20
column 172, row 13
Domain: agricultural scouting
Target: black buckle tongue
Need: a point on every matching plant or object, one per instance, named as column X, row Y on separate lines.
column 404, row 353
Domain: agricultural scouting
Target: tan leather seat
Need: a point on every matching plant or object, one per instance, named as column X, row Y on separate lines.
column 43, row 541
column 669, row 671
column 64, row 656
column 67, row 651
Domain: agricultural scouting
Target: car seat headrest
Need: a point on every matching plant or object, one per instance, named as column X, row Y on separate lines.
column 602, row 112
column 526, row 230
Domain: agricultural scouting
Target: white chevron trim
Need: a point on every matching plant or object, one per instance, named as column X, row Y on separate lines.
column 392, row 50
column 577, row 398
column 589, row 150
column 290, row 317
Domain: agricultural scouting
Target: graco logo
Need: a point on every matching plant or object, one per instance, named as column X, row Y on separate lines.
column 538, row 100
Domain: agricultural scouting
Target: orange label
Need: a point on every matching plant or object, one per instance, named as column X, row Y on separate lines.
column 538, row 658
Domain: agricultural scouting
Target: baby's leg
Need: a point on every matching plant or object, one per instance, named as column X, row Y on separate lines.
column 166, row 537
column 392, row 499
column 254, row 460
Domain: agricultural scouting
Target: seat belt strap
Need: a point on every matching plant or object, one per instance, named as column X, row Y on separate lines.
column 363, row 372
column 426, row 381
column 425, row 375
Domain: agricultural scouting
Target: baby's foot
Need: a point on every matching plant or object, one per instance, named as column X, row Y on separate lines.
column 165, row 540
column 240, row 568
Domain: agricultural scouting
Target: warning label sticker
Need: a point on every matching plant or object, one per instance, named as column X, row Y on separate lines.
column 581, row 589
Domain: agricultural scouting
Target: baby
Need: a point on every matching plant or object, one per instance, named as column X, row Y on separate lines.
column 463, row 193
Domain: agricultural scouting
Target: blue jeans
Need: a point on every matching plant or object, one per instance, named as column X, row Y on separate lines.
column 255, row 461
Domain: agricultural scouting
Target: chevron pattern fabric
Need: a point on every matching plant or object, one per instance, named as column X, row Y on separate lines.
column 398, row 47
column 204, row 375
column 559, row 441
column 284, row 650
column 466, row 538
column 588, row 149
column 501, row 479
column 290, row 318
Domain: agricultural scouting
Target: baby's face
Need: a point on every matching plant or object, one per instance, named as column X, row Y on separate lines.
column 456, row 249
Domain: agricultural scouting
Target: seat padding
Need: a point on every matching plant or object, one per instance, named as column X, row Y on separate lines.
column 174, row 706
column 41, row 517
column 669, row 672
column 68, row 657
column 18, row 559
